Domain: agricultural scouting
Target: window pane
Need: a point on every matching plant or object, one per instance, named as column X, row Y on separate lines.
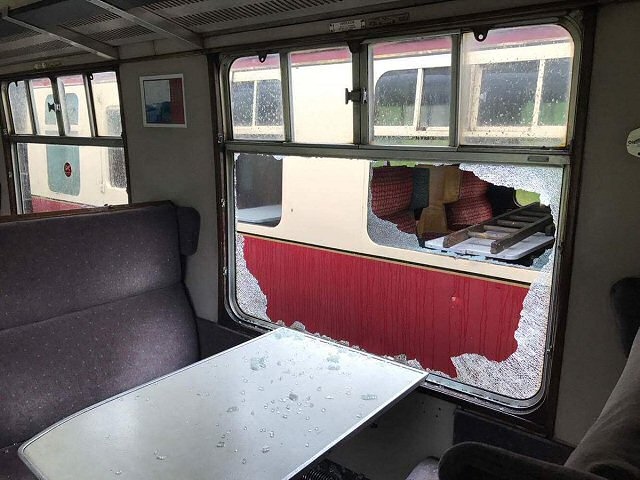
column 436, row 97
column 242, row 95
column 554, row 108
column 395, row 96
column 356, row 253
column 507, row 94
column 256, row 98
column 515, row 87
column 268, row 103
column 18, row 101
column 44, row 107
column 411, row 91
column 318, row 82
column 106, row 104
column 61, row 177
column 74, row 106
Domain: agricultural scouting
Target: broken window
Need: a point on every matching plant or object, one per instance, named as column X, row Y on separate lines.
column 461, row 311
column 408, row 244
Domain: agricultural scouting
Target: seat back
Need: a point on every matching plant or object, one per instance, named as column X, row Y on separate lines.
column 92, row 304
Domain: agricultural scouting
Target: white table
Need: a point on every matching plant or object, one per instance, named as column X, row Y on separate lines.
column 263, row 410
column 482, row 247
column 260, row 215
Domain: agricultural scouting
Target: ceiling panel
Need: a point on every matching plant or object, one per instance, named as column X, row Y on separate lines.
column 211, row 16
column 33, row 46
column 8, row 29
column 111, row 29
column 47, row 15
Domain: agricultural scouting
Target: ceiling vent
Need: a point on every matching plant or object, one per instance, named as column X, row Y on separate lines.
column 35, row 51
column 111, row 29
column 84, row 22
column 117, row 35
column 207, row 17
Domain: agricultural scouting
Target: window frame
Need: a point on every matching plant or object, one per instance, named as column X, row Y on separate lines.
column 561, row 157
column 11, row 139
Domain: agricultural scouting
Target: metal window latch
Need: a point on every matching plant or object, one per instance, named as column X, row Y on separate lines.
column 54, row 107
column 358, row 95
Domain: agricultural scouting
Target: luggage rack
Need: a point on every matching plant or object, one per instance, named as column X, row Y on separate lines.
column 507, row 229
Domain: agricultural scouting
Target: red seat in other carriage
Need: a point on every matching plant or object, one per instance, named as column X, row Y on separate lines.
column 391, row 194
column 472, row 205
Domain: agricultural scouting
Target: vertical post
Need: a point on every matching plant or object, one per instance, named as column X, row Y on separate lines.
column 285, row 81
column 57, row 100
column 88, row 89
column 456, row 57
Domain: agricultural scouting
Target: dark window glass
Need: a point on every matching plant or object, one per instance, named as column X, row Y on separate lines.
column 395, row 98
column 242, row 103
column 554, row 107
column 436, row 97
column 258, row 189
column 507, row 94
column 268, row 102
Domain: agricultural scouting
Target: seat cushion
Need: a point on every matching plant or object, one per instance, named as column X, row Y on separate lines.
column 11, row 467
column 391, row 190
column 53, row 368
column 405, row 221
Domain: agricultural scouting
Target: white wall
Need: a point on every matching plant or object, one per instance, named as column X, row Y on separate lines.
column 608, row 230
column 177, row 164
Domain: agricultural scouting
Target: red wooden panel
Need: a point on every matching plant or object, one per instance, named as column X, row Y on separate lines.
column 387, row 308
column 43, row 204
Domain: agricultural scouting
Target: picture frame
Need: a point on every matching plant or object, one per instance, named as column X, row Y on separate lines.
column 163, row 101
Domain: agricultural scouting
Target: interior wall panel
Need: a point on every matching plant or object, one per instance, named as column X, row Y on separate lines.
column 608, row 228
column 177, row 164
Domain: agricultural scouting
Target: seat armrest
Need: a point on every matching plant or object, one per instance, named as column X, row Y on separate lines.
column 477, row 461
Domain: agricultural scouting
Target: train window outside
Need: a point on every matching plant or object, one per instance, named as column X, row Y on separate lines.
column 57, row 174
column 395, row 95
column 268, row 103
column 19, row 100
column 318, row 82
column 411, row 91
column 435, row 104
column 507, row 94
column 554, row 108
column 71, row 101
column 242, row 98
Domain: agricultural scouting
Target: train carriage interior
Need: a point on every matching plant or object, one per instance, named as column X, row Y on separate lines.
column 319, row 239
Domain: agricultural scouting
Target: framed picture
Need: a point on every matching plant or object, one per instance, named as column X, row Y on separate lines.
column 163, row 101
